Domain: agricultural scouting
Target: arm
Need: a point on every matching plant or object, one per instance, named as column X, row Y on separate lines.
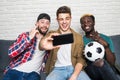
column 109, row 55
column 76, row 72
column 46, row 43
column 21, row 43
column 78, row 57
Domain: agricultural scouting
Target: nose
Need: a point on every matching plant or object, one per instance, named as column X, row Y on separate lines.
column 64, row 21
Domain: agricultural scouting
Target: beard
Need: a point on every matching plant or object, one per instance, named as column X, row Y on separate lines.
column 41, row 32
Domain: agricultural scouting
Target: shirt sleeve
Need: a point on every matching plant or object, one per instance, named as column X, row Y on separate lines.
column 21, row 43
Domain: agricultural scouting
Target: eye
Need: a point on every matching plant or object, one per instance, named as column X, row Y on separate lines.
column 60, row 19
column 68, row 18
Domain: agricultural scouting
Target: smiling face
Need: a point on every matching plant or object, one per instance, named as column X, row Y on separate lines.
column 63, row 15
column 64, row 21
column 43, row 26
column 87, row 24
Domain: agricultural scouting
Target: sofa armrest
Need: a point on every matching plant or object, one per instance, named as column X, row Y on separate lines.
column 4, row 58
column 116, row 43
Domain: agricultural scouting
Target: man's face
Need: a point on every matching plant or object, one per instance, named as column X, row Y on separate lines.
column 43, row 26
column 64, row 21
column 87, row 24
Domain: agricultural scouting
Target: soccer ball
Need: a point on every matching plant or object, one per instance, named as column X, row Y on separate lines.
column 94, row 51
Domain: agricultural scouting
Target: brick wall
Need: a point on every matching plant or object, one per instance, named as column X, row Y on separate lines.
column 17, row 16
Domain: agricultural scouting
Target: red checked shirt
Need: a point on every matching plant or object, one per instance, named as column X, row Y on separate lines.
column 21, row 50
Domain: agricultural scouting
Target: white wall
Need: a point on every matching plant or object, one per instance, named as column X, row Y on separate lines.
column 17, row 16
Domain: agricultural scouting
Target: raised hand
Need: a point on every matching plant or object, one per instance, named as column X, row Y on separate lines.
column 46, row 42
column 33, row 32
column 95, row 36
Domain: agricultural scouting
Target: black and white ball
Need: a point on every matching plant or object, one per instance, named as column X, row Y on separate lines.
column 94, row 51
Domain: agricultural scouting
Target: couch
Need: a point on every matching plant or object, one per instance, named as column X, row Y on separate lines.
column 4, row 59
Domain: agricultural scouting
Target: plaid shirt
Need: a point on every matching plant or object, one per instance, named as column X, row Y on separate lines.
column 21, row 50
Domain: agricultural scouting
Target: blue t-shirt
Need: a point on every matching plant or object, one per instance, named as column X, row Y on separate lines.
column 106, row 38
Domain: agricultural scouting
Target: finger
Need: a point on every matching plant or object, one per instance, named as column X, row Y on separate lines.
column 58, row 46
column 49, row 38
column 36, row 28
column 36, row 31
column 33, row 29
column 96, row 33
column 55, row 34
column 91, row 35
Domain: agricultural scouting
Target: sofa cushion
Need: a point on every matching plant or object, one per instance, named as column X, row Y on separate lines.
column 4, row 58
column 116, row 43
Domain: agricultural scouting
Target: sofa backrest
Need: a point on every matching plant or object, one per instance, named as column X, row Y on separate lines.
column 4, row 58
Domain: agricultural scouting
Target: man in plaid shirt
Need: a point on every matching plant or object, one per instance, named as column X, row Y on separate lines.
column 26, row 57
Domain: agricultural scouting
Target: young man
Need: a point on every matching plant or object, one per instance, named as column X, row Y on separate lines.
column 101, row 68
column 26, row 56
column 66, row 61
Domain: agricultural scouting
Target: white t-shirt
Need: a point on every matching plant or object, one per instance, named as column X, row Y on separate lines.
column 64, row 56
column 33, row 64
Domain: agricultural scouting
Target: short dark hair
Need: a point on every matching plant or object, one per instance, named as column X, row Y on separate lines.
column 63, row 9
column 88, row 15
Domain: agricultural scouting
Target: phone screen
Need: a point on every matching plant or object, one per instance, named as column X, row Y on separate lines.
column 62, row 39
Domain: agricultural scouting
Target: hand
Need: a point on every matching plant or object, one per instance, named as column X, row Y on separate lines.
column 99, row 63
column 95, row 36
column 46, row 42
column 33, row 33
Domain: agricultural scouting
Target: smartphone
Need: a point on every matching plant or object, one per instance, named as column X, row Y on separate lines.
column 62, row 39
